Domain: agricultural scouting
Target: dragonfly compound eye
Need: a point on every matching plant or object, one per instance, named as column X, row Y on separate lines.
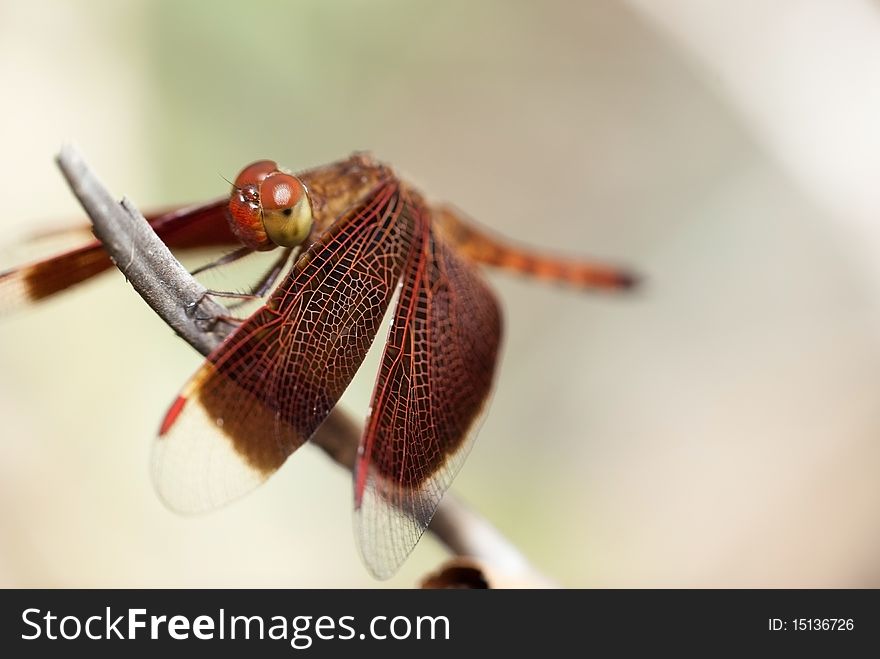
column 245, row 215
column 254, row 173
column 287, row 212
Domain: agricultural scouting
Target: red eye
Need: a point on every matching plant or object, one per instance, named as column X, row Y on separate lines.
column 245, row 213
column 255, row 173
column 280, row 191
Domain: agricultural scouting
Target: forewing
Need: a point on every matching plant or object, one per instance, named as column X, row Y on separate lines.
column 184, row 228
column 434, row 382
column 268, row 387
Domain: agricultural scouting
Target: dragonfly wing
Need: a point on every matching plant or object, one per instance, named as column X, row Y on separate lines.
column 195, row 227
column 184, row 228
column 31, row 283
column 269, row 386
column 434, row 382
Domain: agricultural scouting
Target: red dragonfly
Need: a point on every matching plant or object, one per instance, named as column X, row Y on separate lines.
column 355, row 235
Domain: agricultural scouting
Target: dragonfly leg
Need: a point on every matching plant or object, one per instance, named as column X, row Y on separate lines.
column 231, row 257
column 259, row 290
column 212, row 320
column 265, row 283
column 480, row 246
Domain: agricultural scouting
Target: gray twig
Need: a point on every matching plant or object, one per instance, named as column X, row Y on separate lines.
column 184, row 305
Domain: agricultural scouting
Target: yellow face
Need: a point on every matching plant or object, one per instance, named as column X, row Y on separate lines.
column 286, row 209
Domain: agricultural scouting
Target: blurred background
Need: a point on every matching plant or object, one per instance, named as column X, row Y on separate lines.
column 720, row 428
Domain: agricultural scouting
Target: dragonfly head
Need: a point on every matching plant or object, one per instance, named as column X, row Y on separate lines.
column 269, row 207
